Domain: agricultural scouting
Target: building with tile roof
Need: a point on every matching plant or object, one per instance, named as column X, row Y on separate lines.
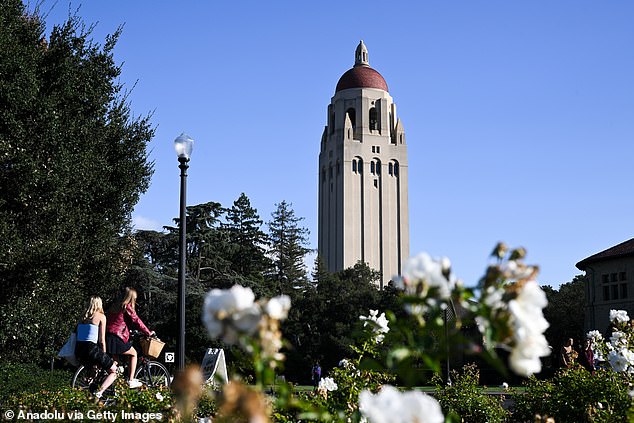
column 609, row 283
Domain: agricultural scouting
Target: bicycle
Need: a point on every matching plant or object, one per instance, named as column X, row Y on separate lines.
column 151, row 373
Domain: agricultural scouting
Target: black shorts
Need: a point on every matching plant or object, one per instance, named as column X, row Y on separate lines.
column 91, row 354
column 115, row 345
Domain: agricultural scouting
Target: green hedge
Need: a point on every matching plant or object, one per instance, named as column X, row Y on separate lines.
column 31, row 391
column 464, row 400
column 29, row 378
column 575, row 396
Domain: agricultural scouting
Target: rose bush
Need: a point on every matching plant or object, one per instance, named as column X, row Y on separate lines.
column 506, row 306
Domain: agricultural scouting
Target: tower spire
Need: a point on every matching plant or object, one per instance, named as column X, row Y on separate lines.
column 361, row 55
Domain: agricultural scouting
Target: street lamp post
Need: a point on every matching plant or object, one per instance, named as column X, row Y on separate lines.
column 183, row 146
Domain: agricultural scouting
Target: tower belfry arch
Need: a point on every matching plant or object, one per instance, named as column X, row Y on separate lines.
column 363, row 205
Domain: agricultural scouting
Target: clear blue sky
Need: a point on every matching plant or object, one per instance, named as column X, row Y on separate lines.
column 519, row 115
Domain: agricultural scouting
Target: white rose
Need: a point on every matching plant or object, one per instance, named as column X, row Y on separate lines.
column 619, row 316
column 389, row 405
column 327, row 384
column 277, row 307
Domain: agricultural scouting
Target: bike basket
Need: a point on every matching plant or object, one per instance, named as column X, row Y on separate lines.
column 151, row 347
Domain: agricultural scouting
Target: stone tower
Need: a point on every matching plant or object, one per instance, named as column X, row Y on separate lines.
column 363, row 212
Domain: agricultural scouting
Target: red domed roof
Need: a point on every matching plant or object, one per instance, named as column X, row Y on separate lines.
column 361, row 77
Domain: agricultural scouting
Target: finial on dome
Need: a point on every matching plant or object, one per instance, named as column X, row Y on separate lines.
column 361, row 55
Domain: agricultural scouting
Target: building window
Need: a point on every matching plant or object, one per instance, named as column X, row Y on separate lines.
column 373, row 119
column 357, row 165
column 614, row 287
column 338, row 167
column 376, row 183
column 372, row 169
column 330, row 172
column 353, row 116
column 392, row 168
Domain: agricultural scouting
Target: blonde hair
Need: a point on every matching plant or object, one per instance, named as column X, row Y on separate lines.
column 129, row 297
column 94, row 306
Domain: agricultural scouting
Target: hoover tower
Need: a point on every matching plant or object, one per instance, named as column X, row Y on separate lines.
column 363, row 212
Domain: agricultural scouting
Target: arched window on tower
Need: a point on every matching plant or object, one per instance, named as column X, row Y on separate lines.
column 354, row 165
column 372, row 169
column 377, row 164
column 353, row 116
column 373, row 119
column 393, row 168
column 360, row 166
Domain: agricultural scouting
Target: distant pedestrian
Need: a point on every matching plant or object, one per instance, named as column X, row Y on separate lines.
column 587, row 356
column 568, row 354
column 316, row 374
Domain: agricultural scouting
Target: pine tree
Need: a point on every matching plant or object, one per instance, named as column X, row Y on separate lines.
column 288, row 241
column 247, row 245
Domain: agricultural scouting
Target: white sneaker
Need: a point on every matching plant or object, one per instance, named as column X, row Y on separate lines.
column 135, row 383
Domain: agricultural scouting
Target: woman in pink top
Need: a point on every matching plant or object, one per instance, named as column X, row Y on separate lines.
column 121, row 317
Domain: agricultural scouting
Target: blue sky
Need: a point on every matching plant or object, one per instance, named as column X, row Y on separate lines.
column 519, row 115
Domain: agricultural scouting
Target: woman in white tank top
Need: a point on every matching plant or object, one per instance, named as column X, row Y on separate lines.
column 91, row 343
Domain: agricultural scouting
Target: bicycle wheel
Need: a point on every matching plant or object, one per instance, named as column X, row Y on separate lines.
column 88, row 378
column 153, row 374
column 81, row 378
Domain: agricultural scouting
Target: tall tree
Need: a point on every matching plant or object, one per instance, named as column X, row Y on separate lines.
column 247, row 245
column 206, row 245
column 73, row 164
column 288, row 247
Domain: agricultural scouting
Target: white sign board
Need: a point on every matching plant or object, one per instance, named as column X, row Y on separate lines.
column 214, row 367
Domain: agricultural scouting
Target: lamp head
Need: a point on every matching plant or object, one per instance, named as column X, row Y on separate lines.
column 184, row 145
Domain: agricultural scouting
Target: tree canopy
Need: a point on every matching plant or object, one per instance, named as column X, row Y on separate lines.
column 73, row 164
column 288, row 243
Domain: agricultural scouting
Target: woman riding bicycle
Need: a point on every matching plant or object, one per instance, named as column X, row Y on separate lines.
column 121, row 317
column 91, row 345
